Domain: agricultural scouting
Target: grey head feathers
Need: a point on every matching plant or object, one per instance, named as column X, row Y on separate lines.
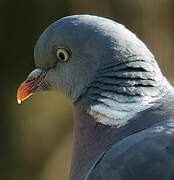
column 111, row 73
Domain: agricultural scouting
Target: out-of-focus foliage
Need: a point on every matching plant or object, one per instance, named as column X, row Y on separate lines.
column 36, row 137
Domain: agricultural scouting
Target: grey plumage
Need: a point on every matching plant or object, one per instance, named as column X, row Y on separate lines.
column 124, row 124
column 145, row 155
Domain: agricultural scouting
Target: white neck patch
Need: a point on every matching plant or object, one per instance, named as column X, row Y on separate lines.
column 119, row 114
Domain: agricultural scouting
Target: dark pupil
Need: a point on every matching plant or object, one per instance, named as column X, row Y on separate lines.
column 61, row 56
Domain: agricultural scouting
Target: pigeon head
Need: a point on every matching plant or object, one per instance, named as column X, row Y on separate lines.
column 96, row 59
column 73, row 49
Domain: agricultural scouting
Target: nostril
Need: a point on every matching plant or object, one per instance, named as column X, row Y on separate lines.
column 54, row 66
column 46, row 67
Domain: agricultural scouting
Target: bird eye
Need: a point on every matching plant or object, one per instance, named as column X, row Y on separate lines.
column 62, row 55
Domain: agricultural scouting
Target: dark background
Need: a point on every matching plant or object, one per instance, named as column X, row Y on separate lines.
column 36, row 137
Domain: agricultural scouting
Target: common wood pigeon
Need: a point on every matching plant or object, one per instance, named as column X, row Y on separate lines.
column 124, row 125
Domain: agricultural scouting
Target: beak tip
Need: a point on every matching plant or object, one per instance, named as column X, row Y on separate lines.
column 29, row 86
column 19, row 101
column 23, row 93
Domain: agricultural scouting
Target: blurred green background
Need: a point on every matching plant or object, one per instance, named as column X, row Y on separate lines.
column 36, row 137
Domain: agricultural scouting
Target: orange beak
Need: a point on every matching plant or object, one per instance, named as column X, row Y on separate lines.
column 30, row 85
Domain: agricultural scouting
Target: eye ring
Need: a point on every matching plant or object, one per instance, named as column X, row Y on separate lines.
column 62, row 54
